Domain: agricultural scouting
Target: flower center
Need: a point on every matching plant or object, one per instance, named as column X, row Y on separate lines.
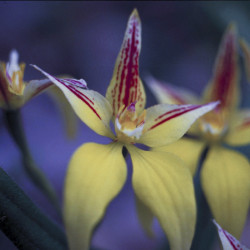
column 214, row 125
column 128, row 124
column 14, row 73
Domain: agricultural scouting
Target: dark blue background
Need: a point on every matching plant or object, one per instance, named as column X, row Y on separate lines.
column 179, row 45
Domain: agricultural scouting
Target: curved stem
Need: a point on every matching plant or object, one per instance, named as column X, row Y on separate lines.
column 23, row 222
column 205, row 232
column 15, row 128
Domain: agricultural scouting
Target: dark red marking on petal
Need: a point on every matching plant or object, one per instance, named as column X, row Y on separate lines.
column 170, row 112
column 231, row 239
column 225, row 72
column 81, row 96
column 245, row 124
column 3, row 88
column 174, row 115
column 128, row 68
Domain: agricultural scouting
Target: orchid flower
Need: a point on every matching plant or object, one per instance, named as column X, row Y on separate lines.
column 227, row 240
column 14, row 92
column 97, row 173
column 226, row 173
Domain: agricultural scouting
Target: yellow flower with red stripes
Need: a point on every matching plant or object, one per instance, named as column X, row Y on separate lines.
column 225, row 173
column 97, row 173
column 14, row 92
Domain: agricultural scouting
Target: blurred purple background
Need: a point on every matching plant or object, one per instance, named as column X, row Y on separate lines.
column 179, row 44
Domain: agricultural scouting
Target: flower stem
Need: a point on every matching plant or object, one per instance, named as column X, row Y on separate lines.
column 15, row 128
column 23, row 222
column 205, row 232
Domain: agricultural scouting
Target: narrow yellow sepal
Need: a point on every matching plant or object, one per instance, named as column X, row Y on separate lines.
column 90, row 106
column 224, row 85
column 167, row 93
column 126, row 86
column 95, row 176
column 165, row 123
column 225, row 180
column 186, row 149
column 145, row 217
column 164, row 184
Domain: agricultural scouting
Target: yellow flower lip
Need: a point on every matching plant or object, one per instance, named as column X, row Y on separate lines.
column 14, row 74
column 128, row 124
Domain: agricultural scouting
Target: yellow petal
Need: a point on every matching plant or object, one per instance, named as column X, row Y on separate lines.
column 95, row 176
column 164, row 184
column 167, row 93
column 91, row 107
column 4, row 92
column 239, row 132
column 246, row 52
column 35, row 87
column 225, row 81
column 186, row 149
column 167, row 123
column 225, row 179
column 125, row 86
column 69, row 116
column 145, row 217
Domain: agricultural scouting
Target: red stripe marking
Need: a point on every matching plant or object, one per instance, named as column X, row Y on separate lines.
column 223, row 89
column 80, row 93
column 170, row 112
column 245, row 124
column 81, row 96
column 229, row 239
column 3, row 87
column 129, row 74
column 173, row 116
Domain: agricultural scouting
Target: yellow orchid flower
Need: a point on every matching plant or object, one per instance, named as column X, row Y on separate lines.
column 226, row 173
column 228, row 242
column 97, row 173
column 14, row 92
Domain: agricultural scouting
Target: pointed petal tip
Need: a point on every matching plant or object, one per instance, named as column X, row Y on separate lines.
column 232, row 27
column 212, row 105
column 134, row 16
column 135, row 12
column 14, row 52
column 35, row 66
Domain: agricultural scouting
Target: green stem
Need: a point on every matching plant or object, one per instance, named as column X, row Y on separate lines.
column 205, row 232
column 15, row 128
column 23, row 222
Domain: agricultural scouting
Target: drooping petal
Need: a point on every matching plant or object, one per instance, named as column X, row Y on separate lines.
column 225, row 179
column 164, row 184
column 224, row 84
column 246, row 52
column 167, row 93
column 166, row 123
column 186, row 149
column 91, row 107
column 239, row 133
column 227, row 240
column 145, row 217
column 125, row 86
column 35, row 87
column 95, row 176
column 69, row 116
